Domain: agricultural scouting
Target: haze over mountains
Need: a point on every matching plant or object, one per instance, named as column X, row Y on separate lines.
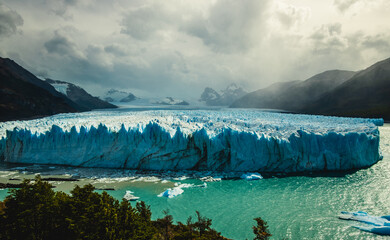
column 366, row 94
column 291, row 96
column 339, row 93
column 336, row 92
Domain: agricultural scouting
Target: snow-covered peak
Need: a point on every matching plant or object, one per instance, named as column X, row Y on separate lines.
column 61, row 87
column 114, row 95
column 171, row 101
column 224, row 97
column 232, row 87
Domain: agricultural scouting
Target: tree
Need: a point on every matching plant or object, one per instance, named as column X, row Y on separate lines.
column 165, row 225
column 261, row 230
column 37, row 212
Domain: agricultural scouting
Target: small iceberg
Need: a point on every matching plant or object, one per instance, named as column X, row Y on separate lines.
column 178, row 189
column 130, row 197
column 171, row 192
column 251, row 176
column 381, row 224
column 210, row 179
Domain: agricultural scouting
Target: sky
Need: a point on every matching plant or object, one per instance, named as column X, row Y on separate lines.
column 177, row 48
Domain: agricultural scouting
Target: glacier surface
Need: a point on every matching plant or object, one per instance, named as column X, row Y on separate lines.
column 204, row 140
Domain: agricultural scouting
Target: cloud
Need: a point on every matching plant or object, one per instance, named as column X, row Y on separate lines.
column 116, row 49
column 60, row 7
column 62, row 45
column 144, row 21
column 344, row 5
column 328, row 38
column 380, row 42
column 360, row 6
column 177, row 48
column 10, row 20
column 291, row 16
column 230, row 26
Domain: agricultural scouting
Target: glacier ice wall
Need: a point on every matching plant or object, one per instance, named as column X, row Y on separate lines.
column 231, row 140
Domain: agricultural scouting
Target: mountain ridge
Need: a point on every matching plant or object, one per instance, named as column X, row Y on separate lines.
column 292, row 95
column 24, row 96
column 364, row 93
column 79, row 95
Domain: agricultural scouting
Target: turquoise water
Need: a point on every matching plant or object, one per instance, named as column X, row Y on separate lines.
column 301, row 207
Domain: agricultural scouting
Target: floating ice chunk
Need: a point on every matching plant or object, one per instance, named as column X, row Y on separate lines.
column 180, row 178
column 210, row 179
column 381, row 224
column 251, row 176
column 147, row 179
column 178, row 189
column 171, row 192
column 129, row 196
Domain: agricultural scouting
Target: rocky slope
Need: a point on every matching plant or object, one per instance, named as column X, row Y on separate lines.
column 24, row 96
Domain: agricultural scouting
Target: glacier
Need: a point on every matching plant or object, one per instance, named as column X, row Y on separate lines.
column 202, row 140
column 381, row 225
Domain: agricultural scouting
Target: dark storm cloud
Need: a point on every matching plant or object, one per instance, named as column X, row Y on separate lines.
column 10, row 20
column 61, row 45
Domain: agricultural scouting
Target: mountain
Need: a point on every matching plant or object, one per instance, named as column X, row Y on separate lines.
column 114, row 95
column 294, row 95
column 78, row 95
column 24, row 96
column 172, row 101
column 366, row 94
column 223, row 98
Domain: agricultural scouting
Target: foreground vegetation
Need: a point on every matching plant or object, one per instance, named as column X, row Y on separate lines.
column 36, row 211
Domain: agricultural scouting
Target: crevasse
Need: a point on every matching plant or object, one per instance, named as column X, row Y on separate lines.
column 152, row 146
